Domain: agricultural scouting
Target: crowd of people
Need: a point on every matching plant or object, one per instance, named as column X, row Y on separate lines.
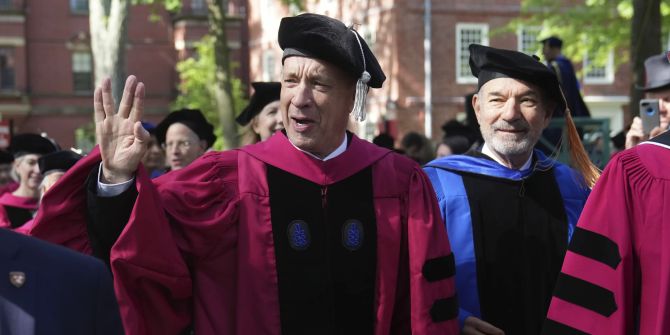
column 307, row 229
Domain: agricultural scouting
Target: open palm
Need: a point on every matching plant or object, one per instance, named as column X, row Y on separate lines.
column 122, row 139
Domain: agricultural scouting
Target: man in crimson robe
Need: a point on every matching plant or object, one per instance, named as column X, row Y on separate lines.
column 615, row 278
column 313, row 231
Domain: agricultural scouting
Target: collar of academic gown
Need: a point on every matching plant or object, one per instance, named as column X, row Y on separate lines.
column 482, row 166
column 279, row 152
column 9, row 187
column 9, row 199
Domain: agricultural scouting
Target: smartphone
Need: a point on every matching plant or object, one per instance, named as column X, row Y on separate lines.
column 649, row 114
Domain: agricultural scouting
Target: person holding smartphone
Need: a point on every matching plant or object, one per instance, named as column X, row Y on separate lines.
column 657, row 87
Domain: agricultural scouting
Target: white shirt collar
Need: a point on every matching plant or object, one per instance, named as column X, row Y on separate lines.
column 487, row 151
column 342, row 148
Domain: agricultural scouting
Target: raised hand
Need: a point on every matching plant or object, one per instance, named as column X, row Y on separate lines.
column 121, row 136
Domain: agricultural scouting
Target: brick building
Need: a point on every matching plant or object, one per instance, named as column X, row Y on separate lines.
column 395, row 31
column 46, row 79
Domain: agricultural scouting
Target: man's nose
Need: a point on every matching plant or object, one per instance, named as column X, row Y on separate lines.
column 511, row 110
column 303, row 96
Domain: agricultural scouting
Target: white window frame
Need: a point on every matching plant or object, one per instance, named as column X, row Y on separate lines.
column 269, row 62
column 609, row 72
column 484, row 27
column 82, row 63
column 519, row 38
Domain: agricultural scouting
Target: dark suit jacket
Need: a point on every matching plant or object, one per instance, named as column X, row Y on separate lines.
column 64, row 292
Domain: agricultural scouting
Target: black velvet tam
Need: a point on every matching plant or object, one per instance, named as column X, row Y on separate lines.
column 324, row 38
column 489, row 63
column 193, row 119
column 264, row 93
column 58, row 161
column 6, row 157
column 31, row 144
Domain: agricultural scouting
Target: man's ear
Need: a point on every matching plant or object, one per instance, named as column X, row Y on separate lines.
column 476, row 105
column 203, row 145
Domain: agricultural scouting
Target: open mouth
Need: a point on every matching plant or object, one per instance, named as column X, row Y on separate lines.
column 301, row 124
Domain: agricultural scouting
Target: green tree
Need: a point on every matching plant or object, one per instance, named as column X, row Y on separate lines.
column 216, row 91
column 197, row 75
column 222, row 87
column 631, row 28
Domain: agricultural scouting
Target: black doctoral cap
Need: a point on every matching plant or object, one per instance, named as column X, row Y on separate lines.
column 657, row 70
column 193, row 119
column 552, row 41
column 57, row 161
column 264, row 93
column 489, row 63
column 6, row 157
column 28, row 143
column 325, row 38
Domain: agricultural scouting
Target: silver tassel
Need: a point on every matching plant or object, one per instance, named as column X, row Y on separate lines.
column 361, row 95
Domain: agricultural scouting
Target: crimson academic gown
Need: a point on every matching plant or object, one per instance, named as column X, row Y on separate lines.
column 9, row 187
column 615, row 278
column 228, row 242
column 16, row 211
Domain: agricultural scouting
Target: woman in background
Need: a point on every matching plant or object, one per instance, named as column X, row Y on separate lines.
column 261, row 117
column 17, row 207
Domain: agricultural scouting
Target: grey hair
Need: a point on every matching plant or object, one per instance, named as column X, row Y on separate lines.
column 13, row 173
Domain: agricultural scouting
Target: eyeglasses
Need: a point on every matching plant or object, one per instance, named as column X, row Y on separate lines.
column 181, row 145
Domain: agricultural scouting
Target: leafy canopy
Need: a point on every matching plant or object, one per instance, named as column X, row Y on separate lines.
column 593, row 27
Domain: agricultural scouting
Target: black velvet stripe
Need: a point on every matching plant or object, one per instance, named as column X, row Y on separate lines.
column 595, row 246
column 439, row 268
column 585, row 294
column 552, row 327
column 444, row 309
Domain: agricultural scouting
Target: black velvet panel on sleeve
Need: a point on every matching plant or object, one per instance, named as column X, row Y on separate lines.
column 106, row 216
column 18, row 216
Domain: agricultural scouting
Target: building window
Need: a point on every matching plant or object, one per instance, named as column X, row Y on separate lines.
column 466, row 34
column 198, row 7
column 599, row 73
column 79, row 6
column 7, row 69
column 82, row 72
column 268, row 66
column 527, row 40
column 6, row 5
